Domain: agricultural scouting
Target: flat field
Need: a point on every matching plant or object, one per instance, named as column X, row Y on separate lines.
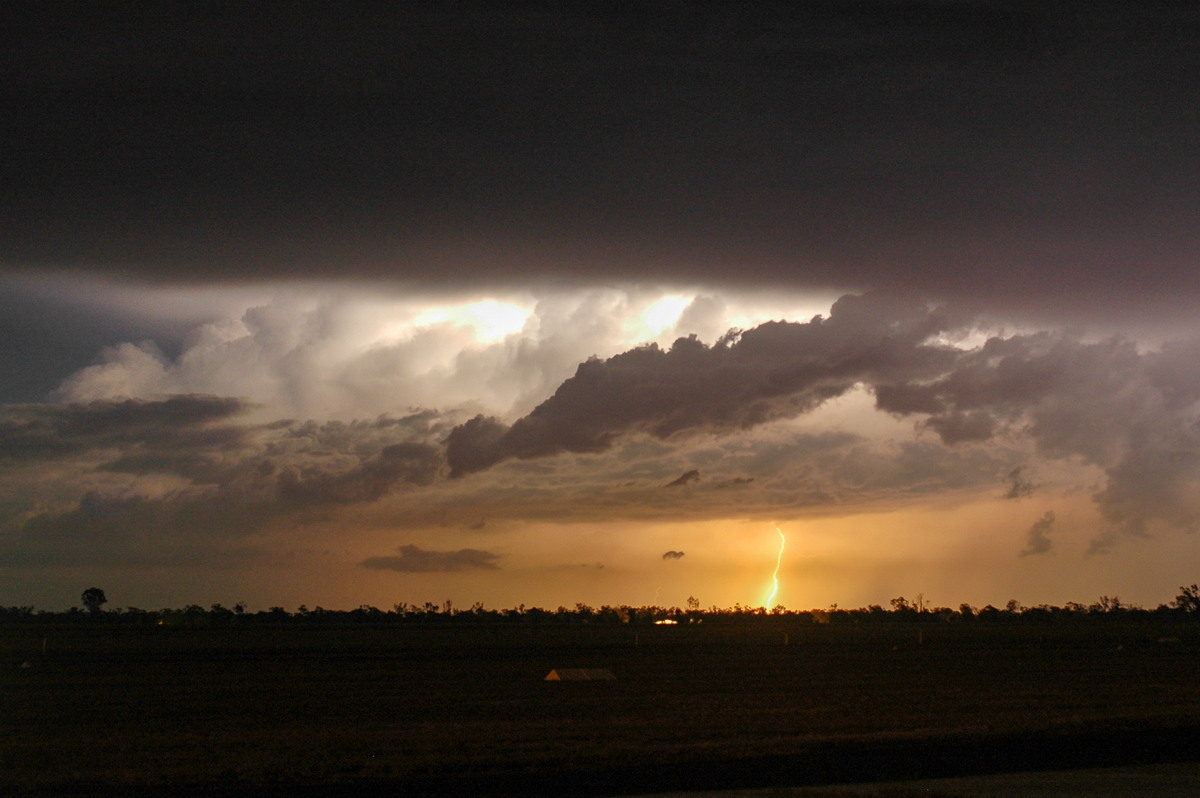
column 464, row 709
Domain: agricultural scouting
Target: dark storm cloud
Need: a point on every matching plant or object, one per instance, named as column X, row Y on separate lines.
column 1022, row 150
column 1037, row 539
column 1131, row 413
column 177, row 529
column 1128, row 412
column 747, row 473
column 411, row 463
column 776, row 370
column 172, row 424
column 1081, row 395
column 673, row 555
column 157, row 481
column 413, row 559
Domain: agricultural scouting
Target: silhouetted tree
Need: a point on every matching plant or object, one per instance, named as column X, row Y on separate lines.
column 1188, row 599
column 93, row 599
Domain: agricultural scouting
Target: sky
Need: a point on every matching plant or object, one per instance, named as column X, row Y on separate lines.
column 548, row 304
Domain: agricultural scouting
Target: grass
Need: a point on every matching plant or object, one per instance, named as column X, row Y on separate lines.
column 109, row 709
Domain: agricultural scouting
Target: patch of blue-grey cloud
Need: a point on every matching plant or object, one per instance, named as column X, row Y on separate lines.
column 1037, row 537
column 413, row 559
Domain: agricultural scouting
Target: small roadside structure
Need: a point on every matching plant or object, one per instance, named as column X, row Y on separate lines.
column 580, row 675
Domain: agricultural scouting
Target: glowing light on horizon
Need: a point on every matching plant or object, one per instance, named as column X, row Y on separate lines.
column 665, row 312
column 656, row 321
column 775, row 576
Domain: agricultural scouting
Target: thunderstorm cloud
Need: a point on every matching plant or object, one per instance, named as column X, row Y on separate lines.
column 163, row 479
column 774, row 371
column 234, row 346
column 194, row 477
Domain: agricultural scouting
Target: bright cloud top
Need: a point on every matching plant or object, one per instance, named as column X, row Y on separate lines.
column 346, row 354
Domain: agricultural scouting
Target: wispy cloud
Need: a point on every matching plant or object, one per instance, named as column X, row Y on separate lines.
column 1019, row 486
column 413, row 559
column 1037, row 539
column 684, row 479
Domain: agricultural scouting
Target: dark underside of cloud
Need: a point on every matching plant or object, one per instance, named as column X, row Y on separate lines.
column 29, row 432
column 673, row 555
column 1131, row 413
column 413, row 559
column 774, row 371
column 954, row 148
column 177, row 479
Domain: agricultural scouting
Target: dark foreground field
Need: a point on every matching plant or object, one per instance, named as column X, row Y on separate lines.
column 395, row 710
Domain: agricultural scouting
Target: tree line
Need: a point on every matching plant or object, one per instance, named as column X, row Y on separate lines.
column 1185, row 605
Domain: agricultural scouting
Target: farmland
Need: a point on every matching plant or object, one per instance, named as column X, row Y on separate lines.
column 427, row 708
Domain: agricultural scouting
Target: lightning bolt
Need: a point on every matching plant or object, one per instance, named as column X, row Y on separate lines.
column 775, row 576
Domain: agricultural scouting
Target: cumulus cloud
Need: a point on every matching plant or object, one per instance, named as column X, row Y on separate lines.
column 755, row 473
column 1134, row 414
column 1037, row 539
column 347, row 354
column 776, row 370
column 177, row 422
column 159, row 478
column 374, row 477
column 624, row 426
column 413, row 559
column 672, row 555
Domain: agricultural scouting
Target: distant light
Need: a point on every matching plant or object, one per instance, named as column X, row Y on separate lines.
column 664, row 313
column 666, row 622
column 491, row 319
column 495, row 320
